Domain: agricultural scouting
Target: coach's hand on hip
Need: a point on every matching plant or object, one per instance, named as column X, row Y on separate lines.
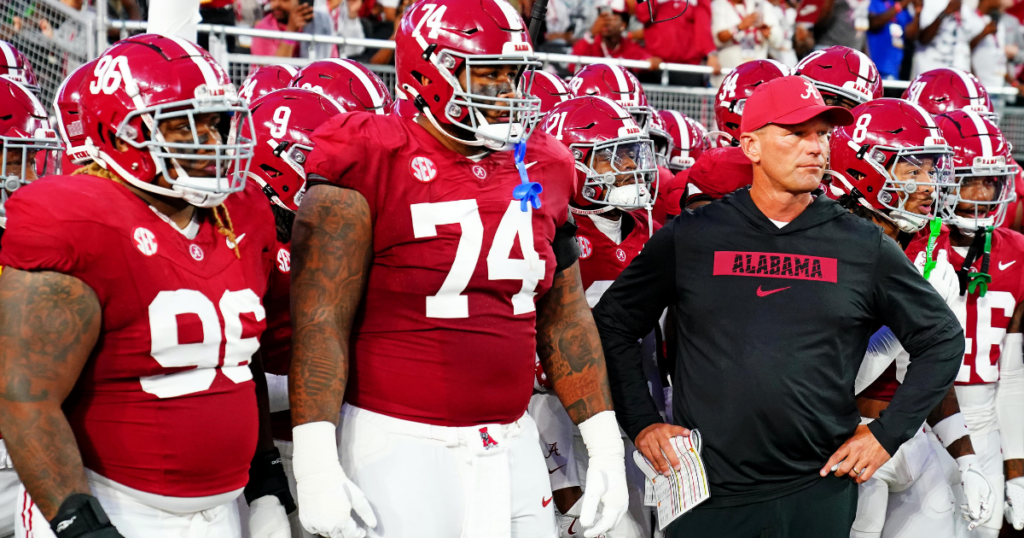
column 653, row 443
column 860, row 456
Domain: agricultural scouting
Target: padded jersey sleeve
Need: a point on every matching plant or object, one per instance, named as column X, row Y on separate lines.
column 35, row 239
column 347, row 153
column 929, row 332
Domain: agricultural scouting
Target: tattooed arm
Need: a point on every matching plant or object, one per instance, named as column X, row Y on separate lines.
column 331, row 253
column 49, row 324
column 570, row 348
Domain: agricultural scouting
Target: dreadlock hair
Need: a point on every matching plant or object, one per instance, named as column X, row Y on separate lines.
column 228, row 230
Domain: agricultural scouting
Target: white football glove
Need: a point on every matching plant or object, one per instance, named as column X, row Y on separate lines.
column 977, row 490
column 1015, row 498
column 943, row 276
column 267, row 518
column 606, row 475
column 325, row 495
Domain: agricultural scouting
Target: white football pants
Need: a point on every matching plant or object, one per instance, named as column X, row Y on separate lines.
column 286, row 449
column 134, row 519
column 908, row 497
column 426, row 481
column 8, row 505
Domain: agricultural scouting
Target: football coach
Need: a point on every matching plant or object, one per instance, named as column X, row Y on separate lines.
column 774, row 294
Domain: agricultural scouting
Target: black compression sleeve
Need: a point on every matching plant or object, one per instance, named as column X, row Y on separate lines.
column 567, row 250
column 929, row 332
column 627, row 312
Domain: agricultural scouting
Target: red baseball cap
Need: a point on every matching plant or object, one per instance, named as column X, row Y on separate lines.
column 788, row 101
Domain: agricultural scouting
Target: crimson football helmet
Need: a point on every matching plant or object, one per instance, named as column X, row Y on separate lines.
column 657, row 130
column 69, row 123
column 610, row 148
column 547, row 87
column 980, row 152
column 615, row 83
column 349, row 83
column 27, row 140
column 284, row 122
column 441, row 40
column 946, row 89
column 844, row 77
column 689, row 139
column 145, row 80
column 733, row 93
column 265, row 79
column 14, row 64
column 892, row 150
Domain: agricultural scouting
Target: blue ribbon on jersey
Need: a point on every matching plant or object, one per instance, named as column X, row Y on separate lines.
column 527, row 191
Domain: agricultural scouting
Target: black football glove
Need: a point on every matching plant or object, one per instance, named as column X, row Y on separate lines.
column 81, row 516
column 266, row 477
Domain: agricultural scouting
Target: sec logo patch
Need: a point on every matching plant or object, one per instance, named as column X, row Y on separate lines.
column 423, row 169
column 586, row 249
column 284, row 260
column 145, row 241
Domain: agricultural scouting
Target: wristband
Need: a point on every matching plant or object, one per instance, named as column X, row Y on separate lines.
column 601, row 435
column 266, row 477
column 315, row 450
column 80, row 515
column 951, row 429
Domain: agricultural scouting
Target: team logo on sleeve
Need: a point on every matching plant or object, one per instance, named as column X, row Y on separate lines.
column 284, row 260
column 423, row 169
column 586, row 249
column 487, row 439
column 145, row 241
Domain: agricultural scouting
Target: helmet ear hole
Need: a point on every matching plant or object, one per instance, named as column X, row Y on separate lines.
column 421, row 78
column 270, row 171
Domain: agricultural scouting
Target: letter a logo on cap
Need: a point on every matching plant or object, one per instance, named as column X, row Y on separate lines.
column 811, row 92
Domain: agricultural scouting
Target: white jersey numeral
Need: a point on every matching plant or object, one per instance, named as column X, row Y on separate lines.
column 449, row 301
column 985, row 335
column 167, row 350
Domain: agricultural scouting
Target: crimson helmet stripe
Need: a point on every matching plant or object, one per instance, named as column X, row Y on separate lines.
column 375, row 96
column 863, row 65
column 291, row 69
column 558, row 83
column 984, row 135
column 924, row 114
column 623, row 82
column 8, row 53
column 197, row 57
column 514, row 22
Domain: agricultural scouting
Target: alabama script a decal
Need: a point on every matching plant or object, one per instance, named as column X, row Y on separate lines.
column 775, row 265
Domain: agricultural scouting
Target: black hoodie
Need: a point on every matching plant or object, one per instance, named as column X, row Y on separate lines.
column 772, row 326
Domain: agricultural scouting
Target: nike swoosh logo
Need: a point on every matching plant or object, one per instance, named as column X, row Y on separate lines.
column 571, row 525
column 237, row 241
column 761, row 293
column 546, row 502
column 552, row 471
column 528, row 165
column 1003, row 267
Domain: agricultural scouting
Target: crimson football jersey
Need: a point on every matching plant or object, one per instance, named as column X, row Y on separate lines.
column 447, row 330
column 166, row 402
column 664, row 181
column 601, row 260
column 985, row 319
column 276, row 343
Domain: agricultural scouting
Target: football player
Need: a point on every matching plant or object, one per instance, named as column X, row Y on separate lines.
column 947, row 89
column 689, row 140
column 265, row 79
column 615, row 171
column 657, row 130
column 14, row 65
column 893, row 167
column 990, row 386
column 616, row 84
column 845, row 77
column 283, row 122
column 24, row 132
column 130, row 305
column 725, row 153
column 348, row 82
column 69, row 122
column 428, row 342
